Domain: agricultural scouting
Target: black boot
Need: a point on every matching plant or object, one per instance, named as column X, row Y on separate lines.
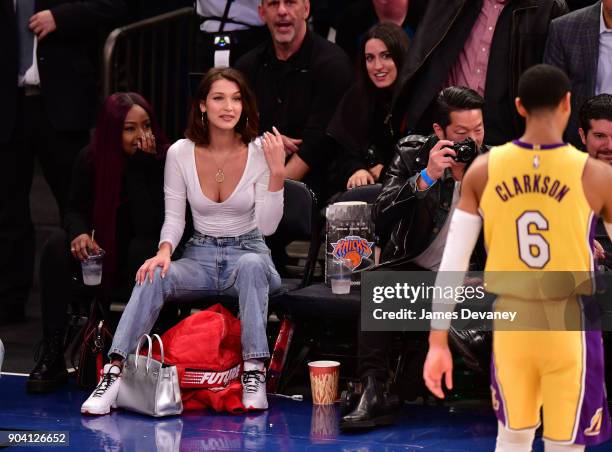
column 374, row 408
column 349, row 399
column 50, row 370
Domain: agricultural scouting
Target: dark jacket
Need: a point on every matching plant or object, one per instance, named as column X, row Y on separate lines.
column 360, row 134
column 299, row 96
column 518, row 43
column 65, row 63
column 412, row 219
column 141, row 212
column 573, row 46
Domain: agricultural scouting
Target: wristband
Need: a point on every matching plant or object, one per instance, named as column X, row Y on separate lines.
column 428, row 180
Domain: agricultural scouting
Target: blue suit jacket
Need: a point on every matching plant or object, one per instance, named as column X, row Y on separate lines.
column 573, row 45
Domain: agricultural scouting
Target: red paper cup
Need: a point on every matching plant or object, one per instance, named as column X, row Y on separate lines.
column 324, row 381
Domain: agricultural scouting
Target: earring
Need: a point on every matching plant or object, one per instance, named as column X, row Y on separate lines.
column 203, row 122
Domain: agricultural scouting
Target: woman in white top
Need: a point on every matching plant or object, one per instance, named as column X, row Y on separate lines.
column 234, row 185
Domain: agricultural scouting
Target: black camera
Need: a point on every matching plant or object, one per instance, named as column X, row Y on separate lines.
column 466, row 151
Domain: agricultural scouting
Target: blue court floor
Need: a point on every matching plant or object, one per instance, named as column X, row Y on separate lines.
column 287, row 426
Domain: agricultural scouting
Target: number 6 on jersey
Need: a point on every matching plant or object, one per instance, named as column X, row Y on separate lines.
column 534, row 250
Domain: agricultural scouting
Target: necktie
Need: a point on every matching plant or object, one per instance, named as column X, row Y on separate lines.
column 24, row 10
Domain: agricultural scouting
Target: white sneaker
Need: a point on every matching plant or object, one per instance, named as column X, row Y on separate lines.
column 254, row 387
column 105, row 395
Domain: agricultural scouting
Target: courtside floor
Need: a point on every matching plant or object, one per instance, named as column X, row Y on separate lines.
column 287, row 426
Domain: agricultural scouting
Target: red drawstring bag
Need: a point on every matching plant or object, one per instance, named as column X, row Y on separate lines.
column 205, row 347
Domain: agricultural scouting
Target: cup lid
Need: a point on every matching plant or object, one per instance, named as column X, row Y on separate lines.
column 100, row 254
column 323, row 364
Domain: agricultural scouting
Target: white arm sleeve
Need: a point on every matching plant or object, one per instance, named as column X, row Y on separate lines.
column 175, row 196
column 462, row 236
column 268, row 204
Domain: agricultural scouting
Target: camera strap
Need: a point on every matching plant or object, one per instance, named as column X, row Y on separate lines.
column 224, row 18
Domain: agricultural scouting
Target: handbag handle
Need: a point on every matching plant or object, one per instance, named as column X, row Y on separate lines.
column 148, row 351
column 161, row 347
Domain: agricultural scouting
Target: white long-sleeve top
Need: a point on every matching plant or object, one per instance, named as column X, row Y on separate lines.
column 249, row 206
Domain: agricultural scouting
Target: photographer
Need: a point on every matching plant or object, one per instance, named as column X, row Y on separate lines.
column 418, row 197
column 423, row 182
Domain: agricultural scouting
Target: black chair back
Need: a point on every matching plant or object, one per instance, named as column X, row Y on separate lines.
column 300, row 205
column 300, row 222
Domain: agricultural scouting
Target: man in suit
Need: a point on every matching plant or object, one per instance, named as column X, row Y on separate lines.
column 48, row 94
column 580, row 43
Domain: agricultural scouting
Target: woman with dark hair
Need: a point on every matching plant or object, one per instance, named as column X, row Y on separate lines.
column 359, row 127
column 234, row 184
column 116, row 190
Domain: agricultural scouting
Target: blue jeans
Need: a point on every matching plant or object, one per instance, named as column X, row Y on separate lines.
column 236, row 266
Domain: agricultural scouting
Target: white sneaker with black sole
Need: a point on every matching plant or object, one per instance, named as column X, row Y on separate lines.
column 254, row 387
column 104, row 397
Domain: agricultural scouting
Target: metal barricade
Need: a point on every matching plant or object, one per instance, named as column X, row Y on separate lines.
column 153, row 57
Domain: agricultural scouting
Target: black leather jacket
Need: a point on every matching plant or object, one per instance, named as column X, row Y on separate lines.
column 412, row 219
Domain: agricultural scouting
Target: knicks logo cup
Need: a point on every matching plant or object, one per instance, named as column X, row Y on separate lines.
column 352, row 249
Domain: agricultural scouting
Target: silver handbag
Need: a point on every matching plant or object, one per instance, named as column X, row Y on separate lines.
column 147, row 386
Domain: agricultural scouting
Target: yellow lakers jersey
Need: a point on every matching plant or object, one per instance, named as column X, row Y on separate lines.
column 535, row 213
column 537, row 227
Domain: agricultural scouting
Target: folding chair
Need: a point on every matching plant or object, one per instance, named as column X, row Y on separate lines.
column 300, row 302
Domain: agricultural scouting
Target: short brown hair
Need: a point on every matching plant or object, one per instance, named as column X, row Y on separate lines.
column 248, row 124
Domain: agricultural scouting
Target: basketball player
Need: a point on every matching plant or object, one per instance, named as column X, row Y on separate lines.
column 537, row 198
